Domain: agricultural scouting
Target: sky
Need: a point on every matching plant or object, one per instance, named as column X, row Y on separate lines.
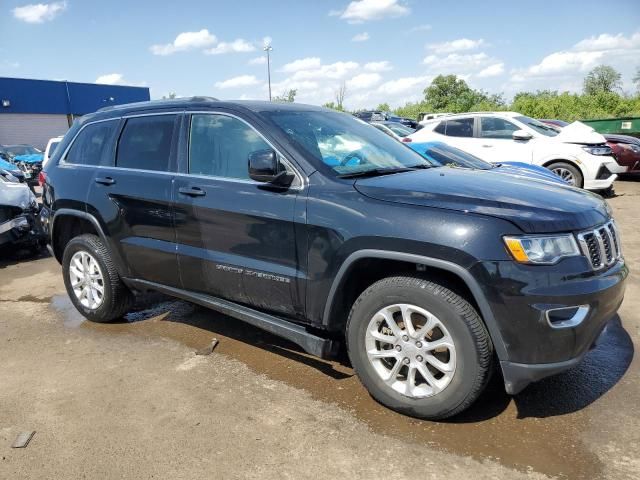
column 380, row 50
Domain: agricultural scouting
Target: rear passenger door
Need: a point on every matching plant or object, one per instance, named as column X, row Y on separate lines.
column 236, row 237
column 132, row 194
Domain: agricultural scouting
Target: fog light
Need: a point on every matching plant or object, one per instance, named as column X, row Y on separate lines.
column 566, row 317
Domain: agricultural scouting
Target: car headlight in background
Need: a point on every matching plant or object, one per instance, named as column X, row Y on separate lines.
column 542, row 250
column 599, row 150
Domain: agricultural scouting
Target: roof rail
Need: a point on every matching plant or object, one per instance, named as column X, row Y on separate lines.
column 161, row 101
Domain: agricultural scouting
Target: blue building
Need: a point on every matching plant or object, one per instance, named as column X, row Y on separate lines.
column 33, row 111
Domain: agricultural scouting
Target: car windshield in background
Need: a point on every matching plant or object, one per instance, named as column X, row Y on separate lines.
column 442, row 155
column 344, row 143
column 22, row 150
column 539, row 127
column 399, row 129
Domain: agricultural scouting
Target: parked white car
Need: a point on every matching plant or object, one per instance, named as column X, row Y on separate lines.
column 393, row 129
column 577, row 153
column 51, row 147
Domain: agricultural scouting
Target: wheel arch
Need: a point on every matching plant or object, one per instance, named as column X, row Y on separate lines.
column 78, row 222
column 449, row 269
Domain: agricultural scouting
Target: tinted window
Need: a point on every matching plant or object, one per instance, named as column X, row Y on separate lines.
column 145, row 143
column 462, row 127
column 491, row 127
column 441, row 128
column 220, row 146
column 91, row 146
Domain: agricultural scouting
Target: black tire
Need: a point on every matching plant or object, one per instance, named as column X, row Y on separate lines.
column 117, row 298
column 555, row 167
column 474, row 350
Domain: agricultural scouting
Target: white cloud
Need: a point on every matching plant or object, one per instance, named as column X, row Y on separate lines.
column 302, row 64
column 606, row 41
column 39, row 12
column 457, row 62
column 258, row 60
column 185, row 41
column 240, row 81
column 560, row 62
column 336, row 71
column 359, row 11
column 360, row 37
column 492, row 70
column 382, row 66
column 237, row 46
column 110, row 79
column 459, row 45
column 404, row 85
column 364, row 80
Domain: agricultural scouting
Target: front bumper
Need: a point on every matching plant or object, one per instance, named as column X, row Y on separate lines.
column 521, row 297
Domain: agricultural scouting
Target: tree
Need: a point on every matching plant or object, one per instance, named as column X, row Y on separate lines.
column 636, row 78
column 445, row 90
column 286, row 97
column 383, row 107
column 602, row 79
column 333, row 106
column 171, row 96
column 340, row 94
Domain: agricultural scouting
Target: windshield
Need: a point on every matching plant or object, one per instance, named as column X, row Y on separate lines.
column 22, row 150
column 399, row 129
column 344, row 143
column 443, row 155
column 539, row 127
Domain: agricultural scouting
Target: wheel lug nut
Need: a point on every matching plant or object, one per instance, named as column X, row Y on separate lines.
column 398, row 347
column 405, row 338
column 419, row 358
column 419, row 344
column 405, row 361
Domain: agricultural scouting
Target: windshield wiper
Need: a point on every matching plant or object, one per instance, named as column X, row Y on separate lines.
column 374, row 172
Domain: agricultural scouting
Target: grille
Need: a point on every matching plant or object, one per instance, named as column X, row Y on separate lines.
column 601, row 245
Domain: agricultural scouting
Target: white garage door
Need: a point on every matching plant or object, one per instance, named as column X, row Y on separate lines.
column 33, row 129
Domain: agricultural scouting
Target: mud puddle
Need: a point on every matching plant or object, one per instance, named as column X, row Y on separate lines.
column 539, row 430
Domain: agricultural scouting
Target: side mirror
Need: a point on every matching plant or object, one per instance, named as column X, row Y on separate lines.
column 264, row 167
column 522, row 135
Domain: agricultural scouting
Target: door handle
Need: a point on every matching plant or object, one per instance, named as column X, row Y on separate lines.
column 487, row 146
column 192, row 191
column 105, row 180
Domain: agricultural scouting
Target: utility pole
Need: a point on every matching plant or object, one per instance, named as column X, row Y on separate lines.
column 267, row 48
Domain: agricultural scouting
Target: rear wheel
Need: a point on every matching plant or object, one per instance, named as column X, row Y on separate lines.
column 92, row 281
column 418, row 347
column 568, row 172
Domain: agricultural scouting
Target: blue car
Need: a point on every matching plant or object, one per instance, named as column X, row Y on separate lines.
column 12, row 169
column 444, row 155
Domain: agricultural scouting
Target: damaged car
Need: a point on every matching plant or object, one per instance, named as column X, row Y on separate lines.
column 19, row 221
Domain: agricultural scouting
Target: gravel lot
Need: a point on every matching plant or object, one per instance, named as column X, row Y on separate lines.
column 133, row 400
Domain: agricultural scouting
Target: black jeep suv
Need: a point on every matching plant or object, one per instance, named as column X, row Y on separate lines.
column 320, row 228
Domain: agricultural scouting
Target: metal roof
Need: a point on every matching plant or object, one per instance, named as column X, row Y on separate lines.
column 21, row 95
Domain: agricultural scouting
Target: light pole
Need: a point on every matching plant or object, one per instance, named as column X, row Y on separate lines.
column 267, row 48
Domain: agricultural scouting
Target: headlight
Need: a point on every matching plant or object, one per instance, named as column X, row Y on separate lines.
column 544, row 250
column 604, row 150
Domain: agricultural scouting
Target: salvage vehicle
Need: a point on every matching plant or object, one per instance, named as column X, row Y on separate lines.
column 19, row 219
column 625, row 148
column 28, row 159
column 443, row 155
column 314, row 226
column 12, row 168
column 576, row 153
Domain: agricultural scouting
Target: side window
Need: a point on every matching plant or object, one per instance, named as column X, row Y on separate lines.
column 491, row 127
column 441, row 128
column 220, row 146
column 460, row 127
column 91, row 146
column 145, row 143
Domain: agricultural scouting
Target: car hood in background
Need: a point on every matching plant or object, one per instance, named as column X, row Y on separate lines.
column 615, row 138
column 534, row 206
column 578, row 132
column 16, row 195
column 31, row 158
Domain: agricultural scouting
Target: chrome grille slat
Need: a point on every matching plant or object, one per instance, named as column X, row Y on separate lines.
column 601, row 245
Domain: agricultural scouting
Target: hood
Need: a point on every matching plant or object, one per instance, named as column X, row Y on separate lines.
column 31, row 158
column 16, row 195
column 578, row 132
column 534, row 206
column 615, row 138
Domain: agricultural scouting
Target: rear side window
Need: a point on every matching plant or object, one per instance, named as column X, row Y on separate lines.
column 441, row 128
column 491, row 127
column 91, row 146
column 145, row 143
column 460, row 127
column 220, row 146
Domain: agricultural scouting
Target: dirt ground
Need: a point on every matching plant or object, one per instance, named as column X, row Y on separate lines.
column 133, row 400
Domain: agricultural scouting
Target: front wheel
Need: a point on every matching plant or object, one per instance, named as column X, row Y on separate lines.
column 568, row 172
column 418, row 347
